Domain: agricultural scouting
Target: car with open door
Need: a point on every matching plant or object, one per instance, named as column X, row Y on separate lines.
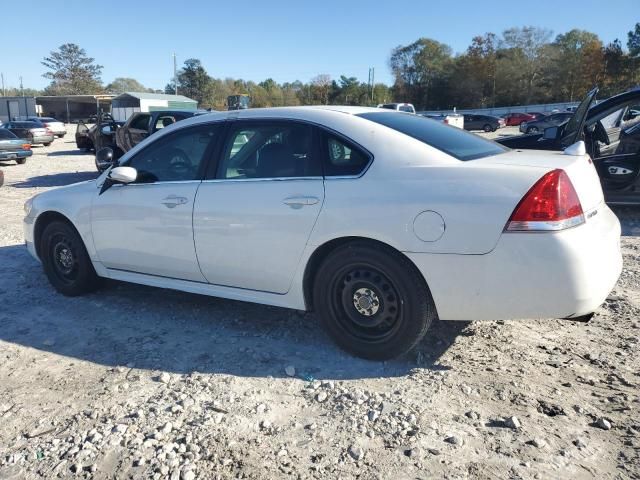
column 611, row 136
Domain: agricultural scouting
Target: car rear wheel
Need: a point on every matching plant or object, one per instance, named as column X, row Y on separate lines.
column 46, row 144
column 487, row 128
column 21, row 161
column 372, row 301
column 66, row 261
column 532, row 130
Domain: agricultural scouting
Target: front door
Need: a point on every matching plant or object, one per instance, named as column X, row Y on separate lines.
column 253, row 218
column 146, row 226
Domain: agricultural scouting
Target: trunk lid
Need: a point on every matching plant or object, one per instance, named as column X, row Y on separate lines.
column 12, row 145
column 580, row 169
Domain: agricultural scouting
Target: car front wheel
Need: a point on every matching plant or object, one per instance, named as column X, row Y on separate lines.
column 21, row 161
column 532, row 130
column 372, row 301
column 487, row 128
column 66, row 261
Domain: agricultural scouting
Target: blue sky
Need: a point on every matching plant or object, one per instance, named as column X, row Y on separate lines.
column 282, row 39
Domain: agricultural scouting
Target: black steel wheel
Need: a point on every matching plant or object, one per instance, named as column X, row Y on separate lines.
column 372, row 300
column 65, row 260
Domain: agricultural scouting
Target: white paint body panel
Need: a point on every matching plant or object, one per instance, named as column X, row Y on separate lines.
column 249, row 246
column 247, row 237
column 134, row 230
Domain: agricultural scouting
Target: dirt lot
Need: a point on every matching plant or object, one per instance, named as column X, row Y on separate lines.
column 146, row 383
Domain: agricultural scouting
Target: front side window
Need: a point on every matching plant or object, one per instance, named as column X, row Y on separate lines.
column 175, row 157
column 269, row 150
column 450, row 140
column 343, row 158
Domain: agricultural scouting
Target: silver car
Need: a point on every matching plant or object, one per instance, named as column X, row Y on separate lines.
column 57, row 127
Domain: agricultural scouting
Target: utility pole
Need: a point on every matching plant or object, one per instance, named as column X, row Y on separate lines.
column 21, row 88
column 372, row 72
column 4, row 92
column 175, row 74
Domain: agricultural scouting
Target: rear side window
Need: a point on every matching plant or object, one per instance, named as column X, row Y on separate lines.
column 342, row 158
column 450, row 140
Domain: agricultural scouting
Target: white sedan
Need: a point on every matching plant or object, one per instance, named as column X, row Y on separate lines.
column 379, row 221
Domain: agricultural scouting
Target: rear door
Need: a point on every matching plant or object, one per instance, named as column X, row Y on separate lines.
column 253, row 216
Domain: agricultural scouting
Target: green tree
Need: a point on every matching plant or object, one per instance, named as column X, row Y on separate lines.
column 578, row 63
column 125, row 84
column 72, row 72
column 421, row 70
column 633, row 41
column 521, row 64
column 195, row 83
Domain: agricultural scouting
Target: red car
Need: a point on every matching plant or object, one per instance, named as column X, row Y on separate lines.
column 515, row 119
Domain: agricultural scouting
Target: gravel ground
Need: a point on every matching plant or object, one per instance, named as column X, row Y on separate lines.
column 137, row 382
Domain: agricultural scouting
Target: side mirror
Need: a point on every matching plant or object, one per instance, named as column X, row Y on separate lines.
column 104, row 158
column 550, row 133
column 123, row 175
column 106, row 130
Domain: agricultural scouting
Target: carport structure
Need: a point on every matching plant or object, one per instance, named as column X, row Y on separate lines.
column 72, row 108
column 128, row 103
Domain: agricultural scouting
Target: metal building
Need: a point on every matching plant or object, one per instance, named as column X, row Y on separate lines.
column 125, row 104
column 16, row 108
column 72, row 108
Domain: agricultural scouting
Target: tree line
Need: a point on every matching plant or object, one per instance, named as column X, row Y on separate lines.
column 521, row 66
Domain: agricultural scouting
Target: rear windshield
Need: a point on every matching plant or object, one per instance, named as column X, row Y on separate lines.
column 6, row 134
column 47, row 119
column 406, row 108
column 450, row 140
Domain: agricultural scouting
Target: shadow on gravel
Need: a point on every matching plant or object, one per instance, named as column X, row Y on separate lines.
column 56, row 179
column 629, row 220
column 67, row 153
column 165, row 330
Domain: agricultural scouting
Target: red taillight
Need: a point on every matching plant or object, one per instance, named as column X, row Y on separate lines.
column 551, row 204
column 26, row 146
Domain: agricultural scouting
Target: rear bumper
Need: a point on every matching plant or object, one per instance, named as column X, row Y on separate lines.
column 43, row 139
column 529, row 275
column 16, row 154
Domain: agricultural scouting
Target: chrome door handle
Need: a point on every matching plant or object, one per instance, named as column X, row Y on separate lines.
column 173, row 201
column 300, row 201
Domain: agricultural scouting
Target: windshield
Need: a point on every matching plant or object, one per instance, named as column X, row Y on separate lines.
column 406, row 108
column 450, row 140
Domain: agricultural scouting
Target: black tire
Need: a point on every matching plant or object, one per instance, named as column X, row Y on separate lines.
column 532, row 130
column 65, row 260
column 487, row 128
column 21, row 161
column 398, row 308
column 47, row 144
